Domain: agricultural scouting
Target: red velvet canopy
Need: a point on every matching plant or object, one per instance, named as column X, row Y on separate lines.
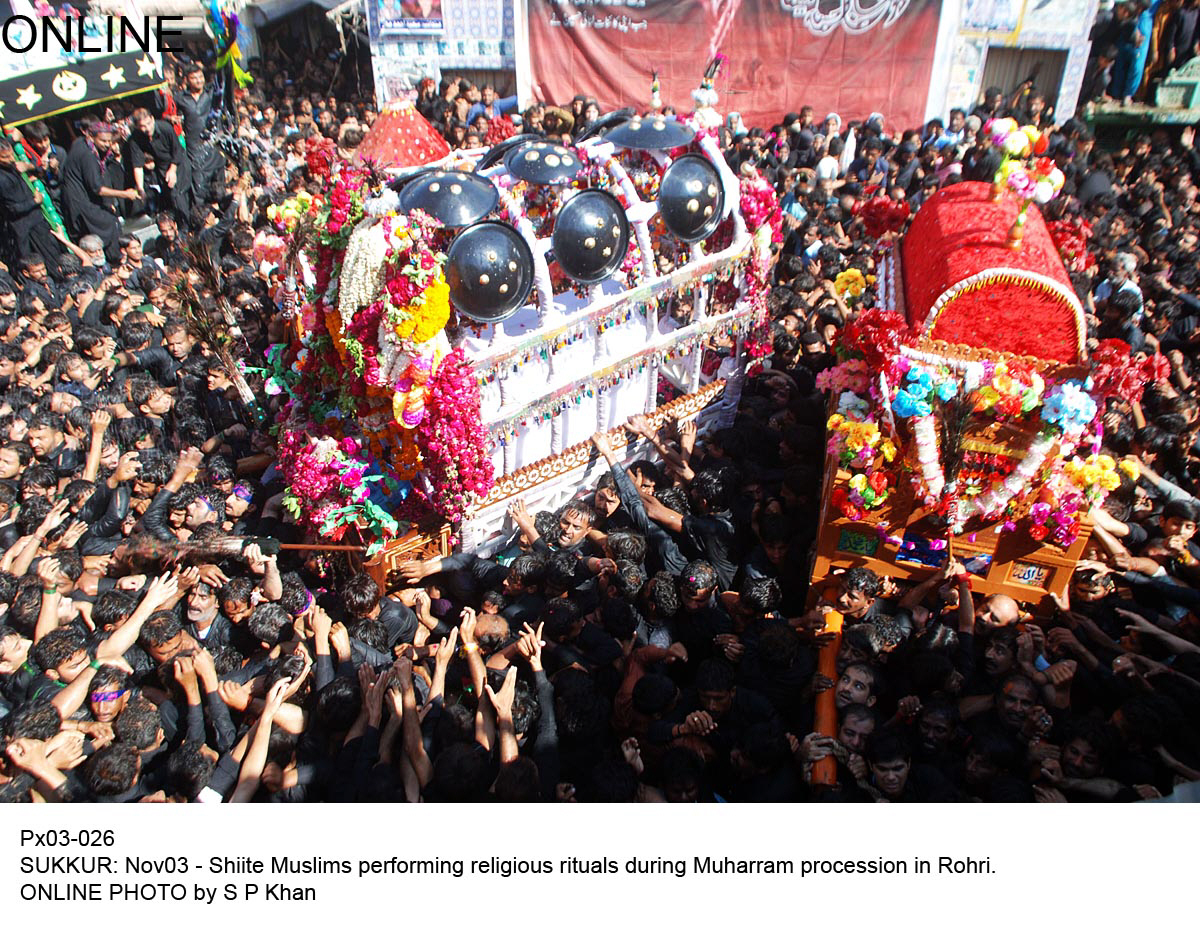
column 402, row 138
column 964, row 285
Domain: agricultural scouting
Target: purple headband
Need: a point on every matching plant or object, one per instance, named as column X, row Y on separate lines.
column 308, row 602
column 243, row 492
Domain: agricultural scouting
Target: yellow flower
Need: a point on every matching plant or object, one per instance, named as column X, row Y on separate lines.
column 887, row 448
column 987, row 398
column 422, row 323
column 850, row 283
column 1106, row 462
column 1130, row 468
column 836, row 421
column 858, row 482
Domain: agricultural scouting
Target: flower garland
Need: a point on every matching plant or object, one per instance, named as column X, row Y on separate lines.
column 760, row 205
column 1094, row 476
column 857, row 442
column 330, row 486
column 881, row 215
column 288, row 213
column 862, row 493
column 453, row 442
column 424, row 318
column 500, row 129
column 1117, row 375
column 876, row 335
column 848, row 376
column 319, row 154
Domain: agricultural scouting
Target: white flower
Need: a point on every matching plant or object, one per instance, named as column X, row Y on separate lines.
column 386, row 201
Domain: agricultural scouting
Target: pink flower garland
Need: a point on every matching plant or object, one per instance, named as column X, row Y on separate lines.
column 453, row 442
column 760, row 206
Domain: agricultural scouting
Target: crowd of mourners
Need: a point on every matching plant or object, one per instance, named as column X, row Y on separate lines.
column 650, row 641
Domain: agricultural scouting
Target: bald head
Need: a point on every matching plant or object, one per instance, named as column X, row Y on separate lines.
column 998, row 611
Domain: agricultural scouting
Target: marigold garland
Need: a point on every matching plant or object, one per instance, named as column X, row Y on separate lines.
column 427, row 318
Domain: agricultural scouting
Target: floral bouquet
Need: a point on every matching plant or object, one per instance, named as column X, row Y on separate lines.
column 287, row 214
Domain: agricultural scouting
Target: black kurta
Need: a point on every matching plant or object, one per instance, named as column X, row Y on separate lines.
column 207, row 164
column 25, row 230
column 86, row 212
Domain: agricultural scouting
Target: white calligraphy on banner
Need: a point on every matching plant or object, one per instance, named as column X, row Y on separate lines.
column 854, row 16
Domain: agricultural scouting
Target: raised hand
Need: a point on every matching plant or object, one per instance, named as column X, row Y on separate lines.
column 190, row 459
column 75, row 530
column 212, row 575
column 446, row 648
column 530, row 644
column 162, row 590
column 466, row 625
column 185, row 675
column 632, row 754
column 205, row 667
column 412, row 572
column 816, row 746
column 603, row 445
column 65, row 750
column 275, row 697
column 55, row 516
column 698, row 723
column 502, row 700
column 687, row 434
column 128, row 467
column 1061, row 673
column 48, row 570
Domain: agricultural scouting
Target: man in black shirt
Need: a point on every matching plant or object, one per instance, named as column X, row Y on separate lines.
column 49, row 445
column 167, row 247
column 155, row 140
column 24, row 224
column 198, row 103
column 37, row 282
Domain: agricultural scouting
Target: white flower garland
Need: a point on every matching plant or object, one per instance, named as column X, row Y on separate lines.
column 993, row 502
column 362, row 268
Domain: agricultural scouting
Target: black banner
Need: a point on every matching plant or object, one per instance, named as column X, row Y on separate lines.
column 46, row 92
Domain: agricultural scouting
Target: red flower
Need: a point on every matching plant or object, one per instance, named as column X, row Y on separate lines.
column 878, row 482
column 877, row 335
column 881, row 214
column 1115, row 374
column 1037, row 532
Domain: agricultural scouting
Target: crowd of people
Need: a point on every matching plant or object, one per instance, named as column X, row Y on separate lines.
column 651, row 640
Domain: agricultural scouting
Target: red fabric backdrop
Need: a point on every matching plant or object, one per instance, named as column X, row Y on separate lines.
column 776, row 62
